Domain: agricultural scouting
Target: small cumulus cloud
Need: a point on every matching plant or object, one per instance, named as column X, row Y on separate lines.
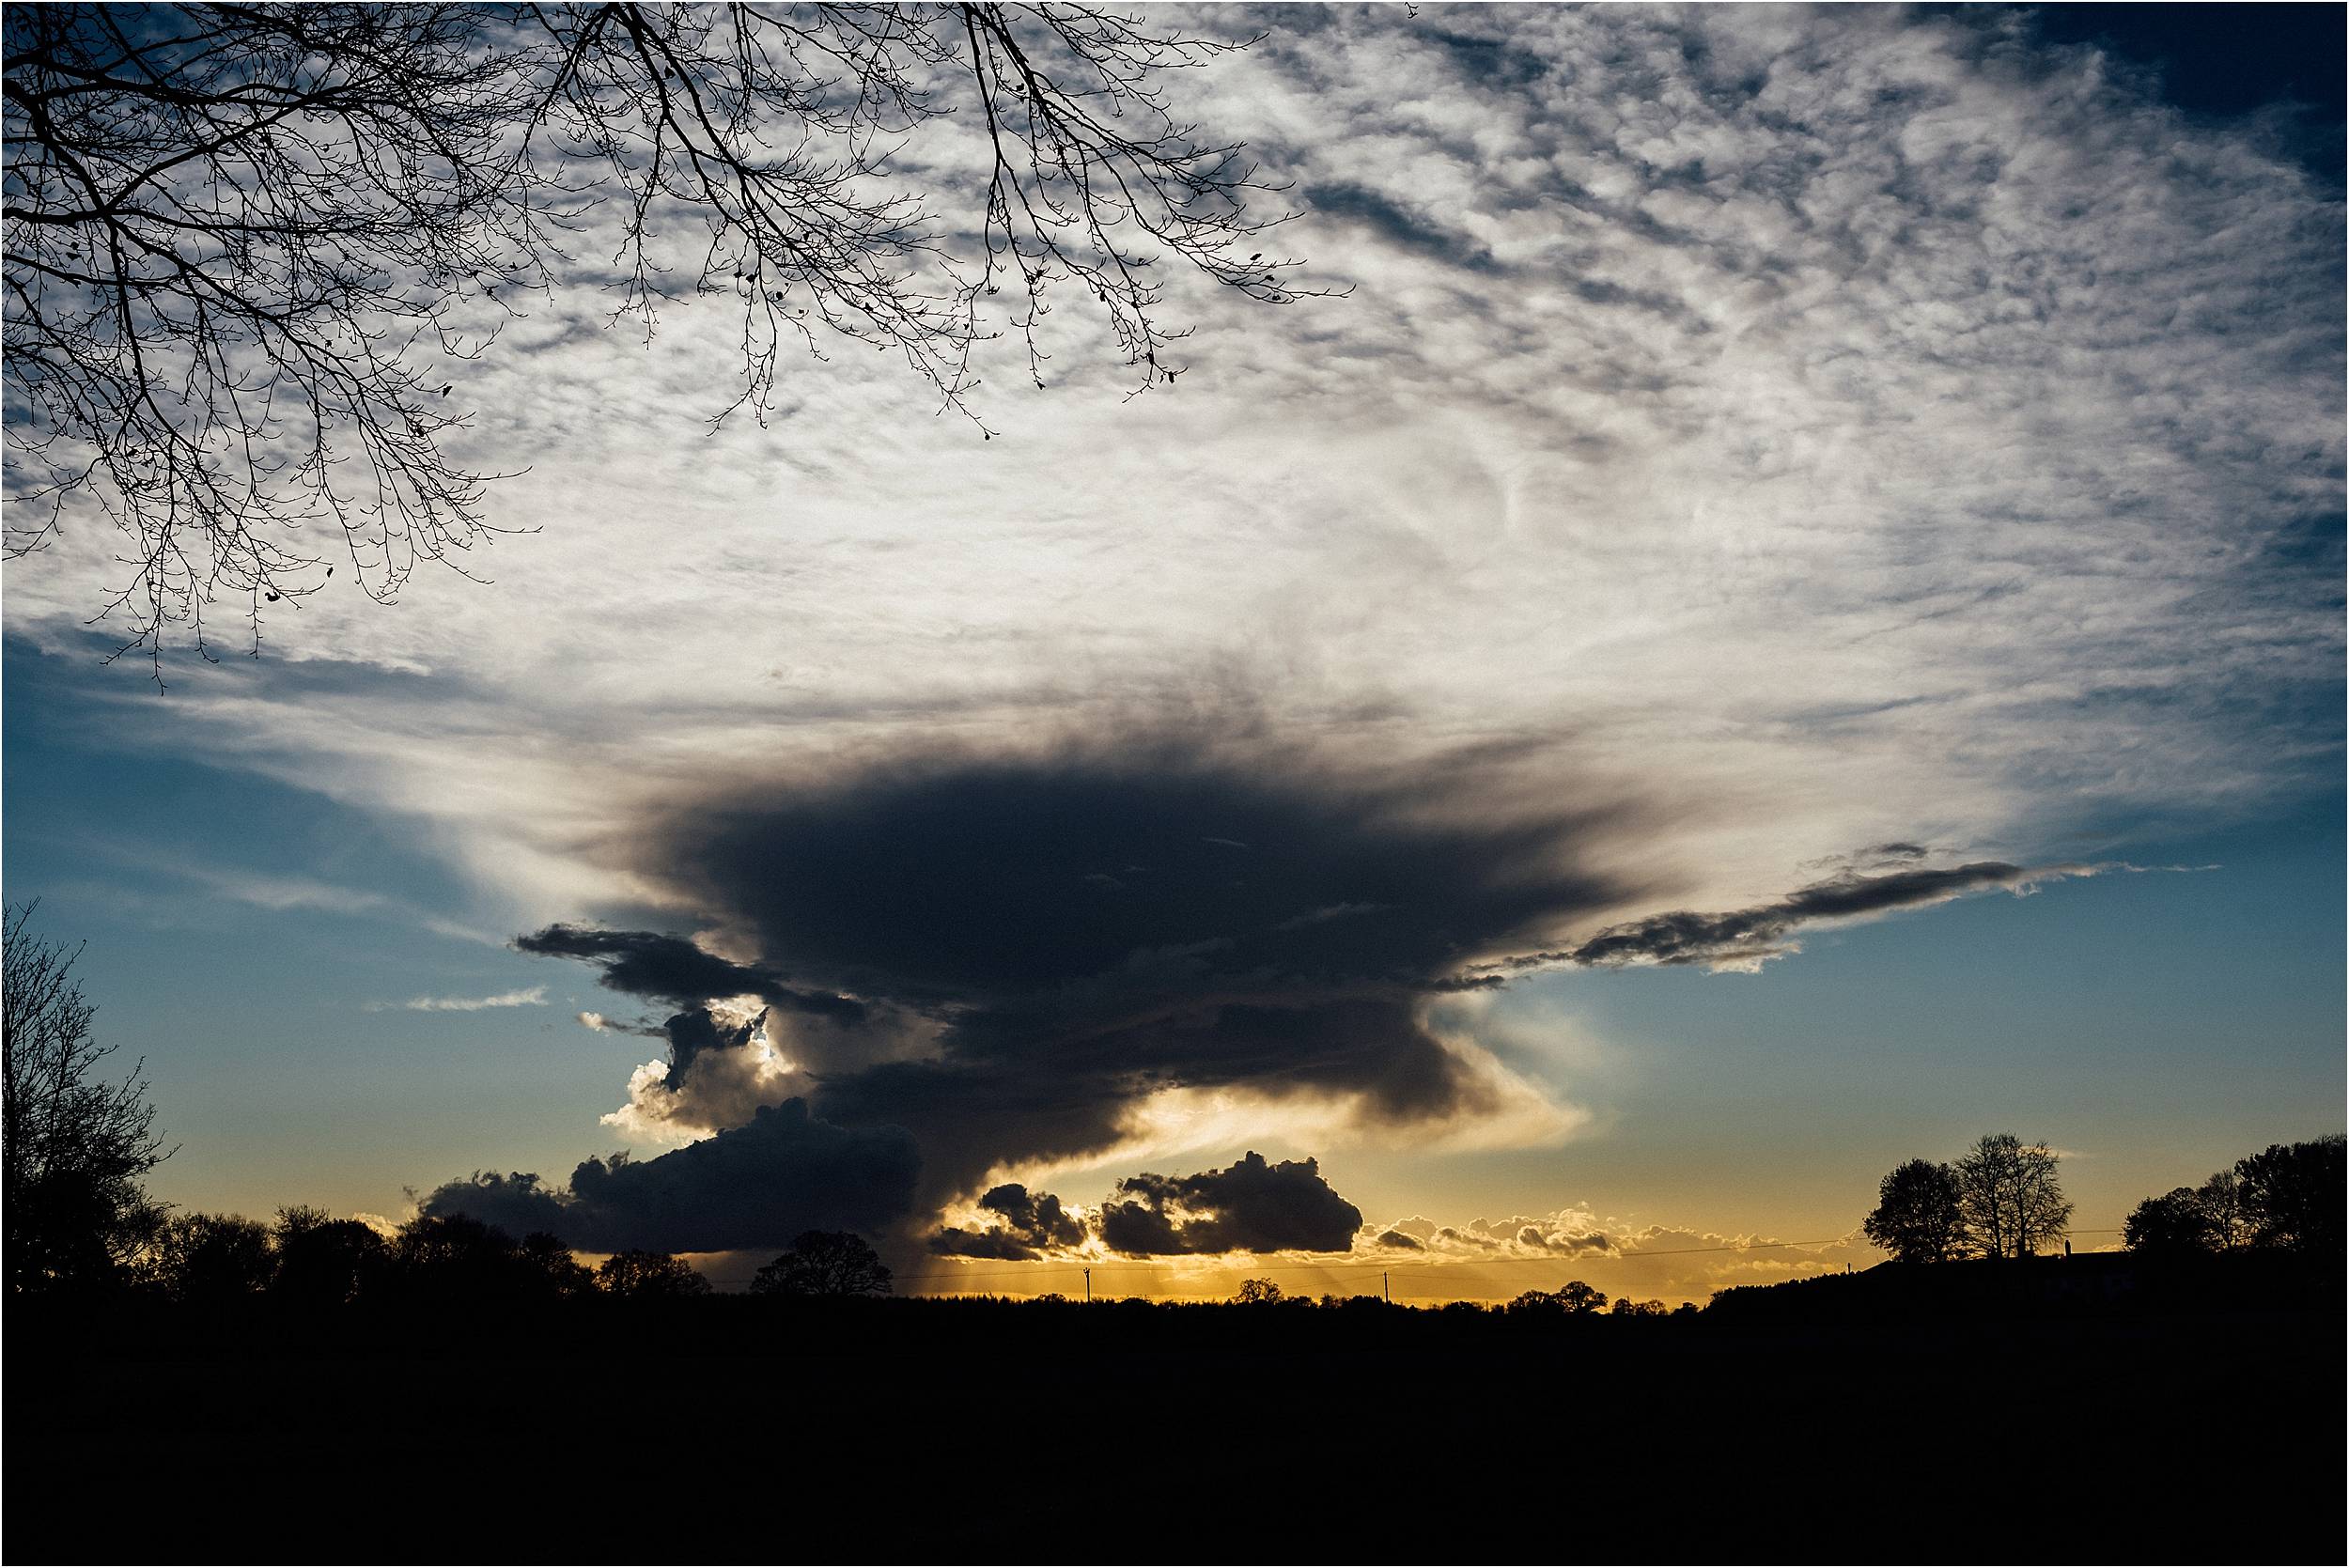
column 1016, row 1224
column 1250, row 1206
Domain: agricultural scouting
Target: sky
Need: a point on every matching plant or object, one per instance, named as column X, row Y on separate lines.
column 1782, row 613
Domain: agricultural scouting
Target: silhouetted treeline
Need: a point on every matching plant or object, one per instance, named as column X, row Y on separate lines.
column 309, row 1261
column 2289, row 1197
column 741, row 1427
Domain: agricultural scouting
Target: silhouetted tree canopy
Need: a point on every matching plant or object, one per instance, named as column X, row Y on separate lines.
column 1919, row 1217
column 1572, row 1300
column 214, row 1259
column 2008, row 1192
column 550, row 1269
column 1258, row 1292
column 249, row 248
column 825, row 1263
column 75, row 1145
column 2292, row 1195
column 455, row 1258
column 323, row 1262
column 2288, row 1196
column 2172, row 1225
column 648, row 1274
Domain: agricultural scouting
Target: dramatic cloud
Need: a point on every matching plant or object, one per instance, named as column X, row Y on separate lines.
column 1858, row 426
column 719, row 1071
column 1039, row 945
column 1024, row 1225
column 1617, row 440
column 750, row 1186
column 1250, row 1206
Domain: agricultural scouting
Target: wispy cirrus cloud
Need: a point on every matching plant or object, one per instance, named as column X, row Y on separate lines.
column 528, row 996
column 279, row 891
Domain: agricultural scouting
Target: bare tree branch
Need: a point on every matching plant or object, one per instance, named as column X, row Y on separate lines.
column 244, row 242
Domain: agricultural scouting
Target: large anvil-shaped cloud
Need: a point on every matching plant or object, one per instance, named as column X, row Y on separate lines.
column 1002, row 960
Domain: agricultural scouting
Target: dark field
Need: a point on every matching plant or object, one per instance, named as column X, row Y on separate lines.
column 1957, row 1415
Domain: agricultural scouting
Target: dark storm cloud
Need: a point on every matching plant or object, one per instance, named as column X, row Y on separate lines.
column 1079, row 930
column 1035, row 1217
column 1400, row 1239
column 1024, row 1224
column 1750, row 936
column 674, row 971
column 754, row 1185
column 960, row 882
column 1249, row 1206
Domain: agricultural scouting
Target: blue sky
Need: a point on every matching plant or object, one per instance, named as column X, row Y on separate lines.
column 1752, row 438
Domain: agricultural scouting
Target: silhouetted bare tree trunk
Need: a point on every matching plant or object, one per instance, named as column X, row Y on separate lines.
column 2010, row 1196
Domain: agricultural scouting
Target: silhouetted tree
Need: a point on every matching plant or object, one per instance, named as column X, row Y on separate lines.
column 1625, row 1307
column 550, row 1267
column 214, row 1259
column 2291, row 1195
column 2221, row 1200
column 660, row 1275
column 1258, row 1292
column 1919, row 1217
column 323, row 1262
column 1580, row 1299
column 455, row 1258
column 2009, row 1197
column 247, row 245
column 825, row 1263
column 2172, row 1225
column 74, row 1147
column 1572, row 1300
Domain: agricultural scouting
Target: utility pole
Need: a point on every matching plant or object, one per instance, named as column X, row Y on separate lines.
column 1088, row 1287
column 1383, row 1288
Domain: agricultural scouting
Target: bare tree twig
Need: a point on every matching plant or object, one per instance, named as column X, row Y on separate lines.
column 248, row 246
